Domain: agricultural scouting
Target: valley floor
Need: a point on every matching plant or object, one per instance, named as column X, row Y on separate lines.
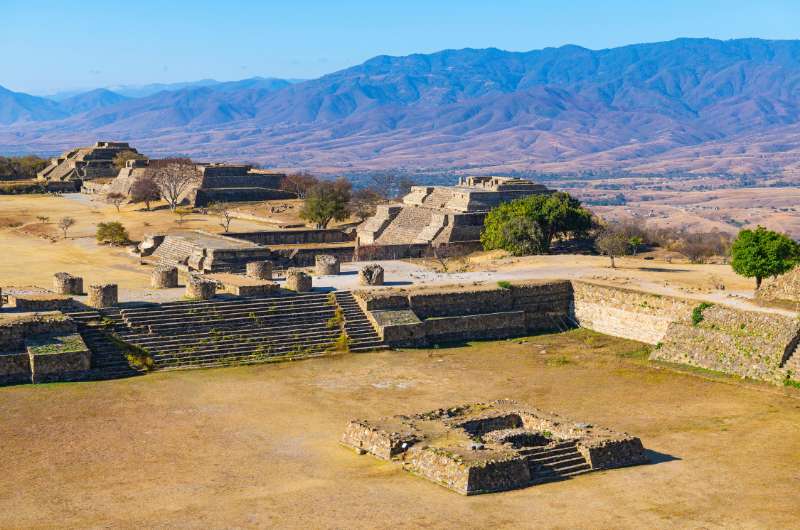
column 258, row 446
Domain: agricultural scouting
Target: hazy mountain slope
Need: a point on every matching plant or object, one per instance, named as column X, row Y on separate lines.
column 91, row 100
column 19, row 107
column 558, row 108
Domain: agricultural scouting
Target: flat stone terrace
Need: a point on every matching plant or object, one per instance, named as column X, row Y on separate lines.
column 495, row 446
column 181, row 335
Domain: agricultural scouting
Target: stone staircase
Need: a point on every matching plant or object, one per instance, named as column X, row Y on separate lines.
column 557, row 462
column 792, row 364
column 181, row 335
column 108, row 361
column 174, row 250
column 406, row 226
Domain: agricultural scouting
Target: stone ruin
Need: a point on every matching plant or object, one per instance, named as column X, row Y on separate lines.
column 443, row 215
column 83, row 163
column 490, row 447
column 203, row 252
column 784, row 287
column 127, row 176
column 164, row 277
column 41, row 348
column 370, row 275
column 103, row 295
column 326, row 265
column 222, row 183
column 297, row 280
column 199, row 288
column 259, row 270
column 65, row 283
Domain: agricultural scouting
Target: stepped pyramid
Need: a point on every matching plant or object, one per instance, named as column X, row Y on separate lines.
column 441, row 215
column 83, row 163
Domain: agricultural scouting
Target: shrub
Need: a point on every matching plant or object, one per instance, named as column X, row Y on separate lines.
column 113, row 233
column 697, row 312
column 504, row 284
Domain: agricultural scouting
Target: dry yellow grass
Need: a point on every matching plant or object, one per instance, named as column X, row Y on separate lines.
column 258, row 446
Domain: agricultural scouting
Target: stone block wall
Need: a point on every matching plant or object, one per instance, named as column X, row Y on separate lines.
column 745, row 343
column 785, row 287
column 294, row 237
column 13, row 331
column 459, row 313
column 626, row 313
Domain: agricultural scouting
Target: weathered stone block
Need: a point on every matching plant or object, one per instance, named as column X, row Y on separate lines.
column 298, row 281
column 43, row 302
column 164, row 277
column 326, row 265
column 65, row 283
column 103, row 295
column 260, row 270
column 57, row 358
column 199, row 288
column 370, row 275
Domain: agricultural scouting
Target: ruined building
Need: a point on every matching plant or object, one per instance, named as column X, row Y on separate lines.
column 437, row 215
column 85, row 163
column 236, row 183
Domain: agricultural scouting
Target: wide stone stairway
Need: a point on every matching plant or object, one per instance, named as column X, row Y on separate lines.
column 186, row 334
column 555, row 462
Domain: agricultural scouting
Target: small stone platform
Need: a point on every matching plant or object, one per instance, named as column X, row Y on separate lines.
column 496, row 446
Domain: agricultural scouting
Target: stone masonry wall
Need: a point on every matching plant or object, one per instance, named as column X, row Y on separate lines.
column 745, row 343
column 626, row 313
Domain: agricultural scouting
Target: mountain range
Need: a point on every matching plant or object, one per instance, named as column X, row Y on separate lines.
column 698, row 105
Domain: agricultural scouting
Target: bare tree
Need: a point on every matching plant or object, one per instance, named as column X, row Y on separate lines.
column 145, row 190
column 299, row 183
column 174, row 177
column 65, row 223
column 42, row 218
column 363, row 202
column 225, row 214
column 116, row 198
column 612, row 243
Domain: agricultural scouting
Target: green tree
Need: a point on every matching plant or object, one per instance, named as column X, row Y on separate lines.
column 113, row 233
column 760, row 253
column 529, row 225
column 327, row 201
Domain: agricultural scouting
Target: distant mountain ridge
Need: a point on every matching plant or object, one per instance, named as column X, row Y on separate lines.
column 695, row 104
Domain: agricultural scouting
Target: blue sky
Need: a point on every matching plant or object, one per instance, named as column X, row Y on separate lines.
column 46, row 46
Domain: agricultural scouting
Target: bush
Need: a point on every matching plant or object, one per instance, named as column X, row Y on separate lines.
column 503, row 284
column 697, row 313
column 112, row 233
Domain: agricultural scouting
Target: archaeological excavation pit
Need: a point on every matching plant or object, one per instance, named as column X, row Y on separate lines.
column 490, row 447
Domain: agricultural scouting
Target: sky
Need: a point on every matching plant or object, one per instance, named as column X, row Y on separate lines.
column 51, row 46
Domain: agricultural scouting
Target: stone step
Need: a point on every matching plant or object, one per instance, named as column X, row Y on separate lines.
column 252, row 357
column 175, row 347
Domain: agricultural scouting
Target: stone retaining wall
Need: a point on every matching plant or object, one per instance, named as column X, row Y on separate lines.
column 745, row 343
column 294, row 237
column 626, row 313
column 459, row 313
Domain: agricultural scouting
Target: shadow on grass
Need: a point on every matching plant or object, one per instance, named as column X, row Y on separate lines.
column 657, row 457
column 660, row 269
